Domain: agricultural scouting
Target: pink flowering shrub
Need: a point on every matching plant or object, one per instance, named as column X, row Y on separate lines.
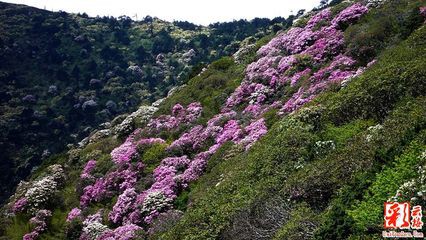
column 149, row 141
column 180, row 116
column 90, row 166
column 254, row 132
column 125, row 232
column 73, row 214
column 322, row 16
column 123, row 204
column 118, row 180
column 20, row 205
column 231, row 132
column 349, row 15
column 125, row 152
column 423, row 11
column 39, row 221
column 93, row 227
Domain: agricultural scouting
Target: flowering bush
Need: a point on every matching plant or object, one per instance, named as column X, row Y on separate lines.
column 126, row 232
column 179, row 116
column 423, row 12
column 93, row 227
column 153, row 204
column 255, row 131
column 118, row 180
column 349, row 15
column 40, row 193
column 86, row 173
column 125, row 152
column 20, row 205
column 124, row 201
column 39, row 221
column 73, row 214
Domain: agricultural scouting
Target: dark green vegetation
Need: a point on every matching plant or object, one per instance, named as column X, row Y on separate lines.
column 61, row 75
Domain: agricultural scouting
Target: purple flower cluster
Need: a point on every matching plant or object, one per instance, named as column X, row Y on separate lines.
column 254, row 131
column 349, row 15
column 320, row 41
column 150, row 141
column 87, row 171
column 125, row 152
column 119, row 180
column 20, row 205
column 230, row 132
column 123, row 205
column 179, row 116
column 73, row 214
column 125, row 232
column 322, row 16
column 39, row 221
column 423, row 12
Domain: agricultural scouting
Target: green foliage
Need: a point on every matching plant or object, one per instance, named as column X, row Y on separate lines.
column 222, row 64
column 18, row 228
column 399, row 73
column 340, row 134
column 152, row 156
column 380, row 28
column 301, row 225
column 211, row 88
column 368, row 213
column 271, row 117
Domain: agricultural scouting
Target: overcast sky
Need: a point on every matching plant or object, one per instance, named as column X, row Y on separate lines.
column 196, row 11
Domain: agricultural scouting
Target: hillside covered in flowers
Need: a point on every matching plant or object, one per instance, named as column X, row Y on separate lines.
column 62, row 75
column 302, row 136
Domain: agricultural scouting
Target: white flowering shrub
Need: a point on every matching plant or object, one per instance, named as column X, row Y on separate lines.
column 324, row 147
column 154, row 203
column 373, row 132
column 40, row 193
column 93, row 230
column 93, row 227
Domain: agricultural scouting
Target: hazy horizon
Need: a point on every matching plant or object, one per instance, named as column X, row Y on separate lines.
column 188, row 10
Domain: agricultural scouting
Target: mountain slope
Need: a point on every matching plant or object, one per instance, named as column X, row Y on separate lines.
column 299, row 144
column 62, row 74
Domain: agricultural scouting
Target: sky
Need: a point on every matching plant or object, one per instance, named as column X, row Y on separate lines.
column 195, row 11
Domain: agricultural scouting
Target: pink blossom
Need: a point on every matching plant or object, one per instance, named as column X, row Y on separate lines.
column 349, row 15
column 124, row 153
column 324, row 15
column 125, row 232
column 90, row 165
column 255, row 131
column 123, row 205
column 74, row 213
column 20, row 205
column 423, row 11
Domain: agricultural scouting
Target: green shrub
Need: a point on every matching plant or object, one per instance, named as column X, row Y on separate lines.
column 368, row 213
